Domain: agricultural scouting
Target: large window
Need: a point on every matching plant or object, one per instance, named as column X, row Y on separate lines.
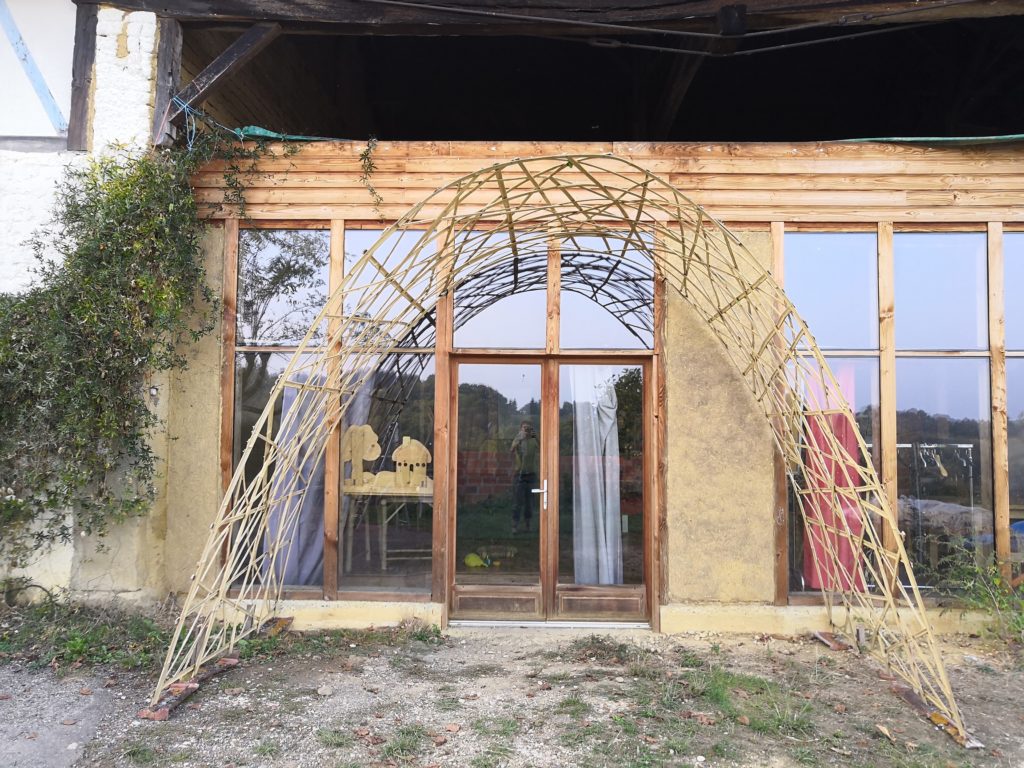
column 941, row 407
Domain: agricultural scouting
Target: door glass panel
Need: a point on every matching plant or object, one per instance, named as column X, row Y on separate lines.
column 601, row 472
column 498, row 467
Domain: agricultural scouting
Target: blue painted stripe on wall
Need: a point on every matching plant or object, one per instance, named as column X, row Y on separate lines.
column 35, row 76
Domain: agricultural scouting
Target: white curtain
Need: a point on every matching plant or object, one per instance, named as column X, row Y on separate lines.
column 301, row 561
column 597, row 525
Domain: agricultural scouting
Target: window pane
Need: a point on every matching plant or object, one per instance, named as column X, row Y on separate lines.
column 944, row 470
column 503, row 304
column 282, row 284
column 601, row 466
column 255, row 376
column 832, row 279
column 1015, row 435
column 941, row 290
column 1013, row 255
column 607, row 294
column 387, row 490
column 858, row 381
column 385, row 289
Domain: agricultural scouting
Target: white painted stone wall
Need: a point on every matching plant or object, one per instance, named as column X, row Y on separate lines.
column 122, row 107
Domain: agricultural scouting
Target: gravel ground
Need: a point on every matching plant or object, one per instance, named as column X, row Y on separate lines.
column 489, row 697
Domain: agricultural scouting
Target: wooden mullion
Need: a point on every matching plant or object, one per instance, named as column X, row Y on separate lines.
column 229, row 293
column 657, row 517
column 444, row 460
column 547, row 524
column 554, row 295
column 887, row 377
column 781, row 500
column 332, row 453
column 997, row 372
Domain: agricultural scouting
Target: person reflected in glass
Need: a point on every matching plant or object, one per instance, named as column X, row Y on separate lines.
column 526, row 454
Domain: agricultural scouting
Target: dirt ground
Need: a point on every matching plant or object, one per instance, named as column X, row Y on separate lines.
column 520, row 697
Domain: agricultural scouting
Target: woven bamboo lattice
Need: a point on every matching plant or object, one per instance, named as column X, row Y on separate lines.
column 488, row 242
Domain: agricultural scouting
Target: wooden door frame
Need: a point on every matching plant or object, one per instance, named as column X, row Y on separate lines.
column 551, row 592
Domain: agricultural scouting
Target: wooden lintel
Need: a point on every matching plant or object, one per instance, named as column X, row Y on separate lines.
column 220, row 70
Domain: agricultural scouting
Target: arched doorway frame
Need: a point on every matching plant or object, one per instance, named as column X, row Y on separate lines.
column 771, row 347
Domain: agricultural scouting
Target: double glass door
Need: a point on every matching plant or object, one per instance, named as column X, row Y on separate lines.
column 550, row 514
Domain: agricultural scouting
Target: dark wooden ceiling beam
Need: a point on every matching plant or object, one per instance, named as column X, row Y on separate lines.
column 220, row 70
column 364, row 17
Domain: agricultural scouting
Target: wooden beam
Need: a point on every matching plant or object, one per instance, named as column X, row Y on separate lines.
column 682, row 71
column 220, row 70
column 781, row 511
column 498, row 17
column 168, row 75
column 81, row 77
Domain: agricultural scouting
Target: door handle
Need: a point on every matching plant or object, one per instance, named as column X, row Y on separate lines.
column 543, row 490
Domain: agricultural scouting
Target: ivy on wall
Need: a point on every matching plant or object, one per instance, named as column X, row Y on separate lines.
column 120, row 289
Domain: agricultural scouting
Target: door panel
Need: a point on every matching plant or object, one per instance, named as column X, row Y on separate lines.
column 577, row 431
column 497, row 460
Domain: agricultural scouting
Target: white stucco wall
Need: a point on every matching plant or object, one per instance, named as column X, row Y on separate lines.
column 122, row 104
column 47, row 28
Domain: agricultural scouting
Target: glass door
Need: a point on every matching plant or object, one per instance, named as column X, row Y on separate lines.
column 549, row 465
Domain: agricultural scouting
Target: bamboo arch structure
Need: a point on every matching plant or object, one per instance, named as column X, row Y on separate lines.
column 491, row 222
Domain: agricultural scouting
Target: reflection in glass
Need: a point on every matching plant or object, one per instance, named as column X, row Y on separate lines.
column 387, row 487
column 255, row 376
column 503, row 304
column 607, row 297
column 941, row 290
column 944, row 472
column 282, row 284
column 1013, row 257
column 1015, row 438
column 857, row 378
column 601, row 465
column 832, row 279
column 383, row 289
column 498, row 515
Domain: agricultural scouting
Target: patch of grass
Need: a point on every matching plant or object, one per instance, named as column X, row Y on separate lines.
column 333, row 737
column 483, row 670
column 724, row 750
column 448, row 704
column 591, row 732
column 59, row 633
column 573, row 705
column 267, row 748
column 140, row 754
column 407, row 741
column 260, row 647
column 497, row 726
column 493, row 756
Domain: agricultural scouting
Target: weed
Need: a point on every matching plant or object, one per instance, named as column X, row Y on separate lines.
column 599, row 649
column 333, row 737
column 406, row 742
column 448, row 703
column 493, row 756
column 573, row 705
column 267, row 748
column 578, row 736
column 139, row 754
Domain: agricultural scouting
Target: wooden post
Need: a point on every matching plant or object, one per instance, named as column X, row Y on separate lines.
column 781, row 511
column 81, row 77
column 997, row 372
column 887, row 376
column 332, row 453
column 168, row 73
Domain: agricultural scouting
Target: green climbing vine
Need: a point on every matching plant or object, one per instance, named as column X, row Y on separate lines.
column 120, row 289
column 368, row 165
